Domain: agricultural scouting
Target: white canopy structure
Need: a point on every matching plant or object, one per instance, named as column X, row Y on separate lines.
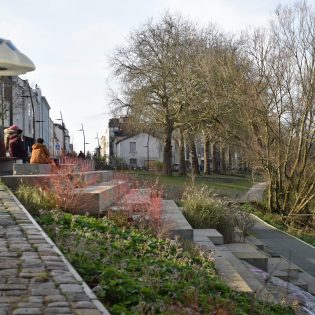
column 12, row 61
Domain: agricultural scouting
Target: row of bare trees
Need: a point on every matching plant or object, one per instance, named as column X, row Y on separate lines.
column 255, row 91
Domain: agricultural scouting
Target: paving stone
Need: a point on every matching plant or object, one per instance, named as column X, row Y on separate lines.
column 26, row 310
column 30, row 275
column 36, row 242
column 4, row 306
column 17, row 280
column 12, row 286
column 55, row 263
column 65, row 280
column 58, row 304
column 87, row 312
column 8, row 254
column 30, row 305
column 33, row 270
column 54, row 298
column 43, row 286
column 35, row 299
column 20, row 247
column 51, row 258
column 45, row 292
column 62, row 267
column 14, row 292
column 8, row 272
column 83, row 304
column 9, row 299
column 57, row 310
column 71, row 288
column 47, row 253
column 4, row 312
column 77, row 296
column 28, row 254
column 33, row 265
column 7, row 265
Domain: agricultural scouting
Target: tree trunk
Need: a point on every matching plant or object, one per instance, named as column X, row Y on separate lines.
column 223, row 161
column 206, row 157
column 194, row 158
column 229, row 156
column 215, row 159
column 167, row 152
column 182, row 159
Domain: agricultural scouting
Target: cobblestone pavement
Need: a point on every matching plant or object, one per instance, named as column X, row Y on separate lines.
column 35, row 278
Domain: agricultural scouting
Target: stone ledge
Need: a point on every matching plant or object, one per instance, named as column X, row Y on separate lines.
column 31, row 169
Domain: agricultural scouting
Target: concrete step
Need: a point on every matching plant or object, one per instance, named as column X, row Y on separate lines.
column 13, row 181
column 250, row 254
column 237, row 276
column 208, row 234
column 253, row 240
column 287, row 271
column 179, row 225
column 95, row 199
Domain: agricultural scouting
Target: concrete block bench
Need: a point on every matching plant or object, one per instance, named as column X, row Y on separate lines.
column 31, row 169
column 6, row 165
column 179, row 225
column 96, row 199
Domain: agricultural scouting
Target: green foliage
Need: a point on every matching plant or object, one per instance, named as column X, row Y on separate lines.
column 35, row 198
column 204, row 209
column 136, row 273
column 117, row 163
column 100, row 163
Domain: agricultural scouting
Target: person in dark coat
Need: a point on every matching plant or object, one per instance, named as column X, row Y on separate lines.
column 16, row 146
column 81, row 155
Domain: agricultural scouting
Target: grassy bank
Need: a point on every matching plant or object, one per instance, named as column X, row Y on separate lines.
column 137, row 273
column 232, row 186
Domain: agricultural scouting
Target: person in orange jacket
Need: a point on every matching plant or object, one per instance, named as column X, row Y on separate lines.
column 40, row 153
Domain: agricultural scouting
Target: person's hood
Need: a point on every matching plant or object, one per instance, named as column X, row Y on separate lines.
column 37, row 146
column 14, row 136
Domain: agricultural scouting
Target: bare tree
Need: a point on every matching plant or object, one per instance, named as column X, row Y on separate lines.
column 148, row 68
column 278, row 99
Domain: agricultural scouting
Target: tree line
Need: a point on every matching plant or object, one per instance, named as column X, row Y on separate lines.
column 255, row 91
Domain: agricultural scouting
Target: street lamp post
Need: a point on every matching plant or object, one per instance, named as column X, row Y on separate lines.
column 98, row 145
column 84, row 143
column 12, row 63
column 63, row 133
column 34, row 121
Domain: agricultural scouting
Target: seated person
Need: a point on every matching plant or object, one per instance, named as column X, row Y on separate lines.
column 16, row 146
column 40, row 153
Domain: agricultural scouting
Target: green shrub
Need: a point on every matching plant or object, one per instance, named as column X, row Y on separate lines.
column 117, row 163
column 34, row 198
column 204, row 209
column 100, row 163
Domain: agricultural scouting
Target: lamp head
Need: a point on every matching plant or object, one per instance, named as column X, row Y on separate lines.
column 12, row 61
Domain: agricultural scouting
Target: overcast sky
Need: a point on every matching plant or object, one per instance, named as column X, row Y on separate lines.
column 69, row 41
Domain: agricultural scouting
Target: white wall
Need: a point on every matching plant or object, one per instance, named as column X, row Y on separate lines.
column 141, row 154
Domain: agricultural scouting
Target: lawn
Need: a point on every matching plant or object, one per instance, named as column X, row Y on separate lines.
column 232, row 186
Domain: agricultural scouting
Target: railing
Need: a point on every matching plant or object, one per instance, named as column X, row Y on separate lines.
column 76, row 164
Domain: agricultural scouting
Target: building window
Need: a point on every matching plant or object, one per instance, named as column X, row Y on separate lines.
column 133, row 162
column 133, row 147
